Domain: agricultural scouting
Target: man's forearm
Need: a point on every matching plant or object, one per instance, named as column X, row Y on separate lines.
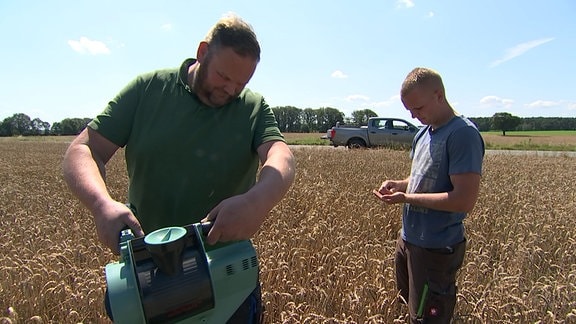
column 84, row 176
column 276, row 176
column 445, row 201
column 404, row 184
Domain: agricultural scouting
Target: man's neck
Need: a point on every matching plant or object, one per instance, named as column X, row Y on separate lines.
column 191, row 76
column 444, row 118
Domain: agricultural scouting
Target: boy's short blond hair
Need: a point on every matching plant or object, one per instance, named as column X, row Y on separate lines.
column 421, row 77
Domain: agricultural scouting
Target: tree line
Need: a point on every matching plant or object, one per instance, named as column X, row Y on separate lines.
column 295, row 120
column 504, row 122
column 22, row 125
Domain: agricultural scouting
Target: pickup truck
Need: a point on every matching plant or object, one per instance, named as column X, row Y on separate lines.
column 380, row 131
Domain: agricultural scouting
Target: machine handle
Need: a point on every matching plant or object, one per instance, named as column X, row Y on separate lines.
column 205, row 228
column 126, row 233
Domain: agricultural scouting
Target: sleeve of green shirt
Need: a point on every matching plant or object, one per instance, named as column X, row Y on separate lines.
column 268, row 127
column 115, row 122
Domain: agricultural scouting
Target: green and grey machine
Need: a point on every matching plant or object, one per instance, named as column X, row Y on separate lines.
column 172, row 276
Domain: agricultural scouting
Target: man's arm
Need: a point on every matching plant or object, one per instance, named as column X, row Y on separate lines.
column 276, row 176
column 244, row 214
column 392, row 186
column 85, row 173
column 461, row 199
column 84, row 167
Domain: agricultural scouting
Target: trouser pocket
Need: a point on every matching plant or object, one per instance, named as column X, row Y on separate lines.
column 435, row 306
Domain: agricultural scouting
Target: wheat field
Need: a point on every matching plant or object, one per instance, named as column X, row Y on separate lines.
column 325, row 251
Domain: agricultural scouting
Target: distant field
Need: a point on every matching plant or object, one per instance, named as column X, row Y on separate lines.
column 535, row 140
column 306, row 139
column 541, row 140
column 533, row 133
column 60, row 139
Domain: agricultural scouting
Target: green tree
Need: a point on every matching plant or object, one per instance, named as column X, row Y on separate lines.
column 360, row 117
column 17, row 124
column 327, row 117
column 72, row 126
column 56, row 129
column 309, row 121
column 6, row 127
column 288, row 118
column 483, row 123
column 505, row 121
column 40, row 127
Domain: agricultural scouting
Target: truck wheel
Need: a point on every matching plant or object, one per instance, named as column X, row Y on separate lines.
column 356, row 143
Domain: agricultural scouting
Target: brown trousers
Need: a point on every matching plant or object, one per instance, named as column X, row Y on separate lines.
column 426, row 279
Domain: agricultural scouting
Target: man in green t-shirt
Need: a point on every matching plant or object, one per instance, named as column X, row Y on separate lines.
column 194, row 138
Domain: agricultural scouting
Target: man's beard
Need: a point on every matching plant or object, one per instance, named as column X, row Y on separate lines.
column 205, row 92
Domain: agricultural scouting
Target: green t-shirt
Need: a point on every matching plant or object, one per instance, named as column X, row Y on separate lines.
column 183, row 157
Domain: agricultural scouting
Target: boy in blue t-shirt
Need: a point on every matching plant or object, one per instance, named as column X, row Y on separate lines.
column 442, row 188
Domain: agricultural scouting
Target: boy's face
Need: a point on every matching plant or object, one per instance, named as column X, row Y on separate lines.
column 421, row 102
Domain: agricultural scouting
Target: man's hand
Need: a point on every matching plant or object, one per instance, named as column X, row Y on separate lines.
column 240, row 217
column 392, row 191
column 391, row 198
column 110, row 219
column 234, row 219
column 392, row 186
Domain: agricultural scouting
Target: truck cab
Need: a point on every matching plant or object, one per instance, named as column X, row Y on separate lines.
column 380, row 132
column 385, row 131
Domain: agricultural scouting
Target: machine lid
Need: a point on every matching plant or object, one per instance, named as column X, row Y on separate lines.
column 165, row 235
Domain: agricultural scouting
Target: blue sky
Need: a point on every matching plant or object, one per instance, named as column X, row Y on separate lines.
column 64, row 59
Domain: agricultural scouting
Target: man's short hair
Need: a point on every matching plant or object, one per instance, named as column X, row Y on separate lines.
column 421, row 77
column 232, row 31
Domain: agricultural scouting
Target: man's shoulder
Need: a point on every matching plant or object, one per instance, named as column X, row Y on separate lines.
column 248, row 96
column 465, row 121
column 465, row 132
column 163, row 74
column 155, row 79
column 247, row 93
column 460, row 122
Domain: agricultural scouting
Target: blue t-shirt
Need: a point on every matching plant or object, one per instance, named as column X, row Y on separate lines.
column 454, row 148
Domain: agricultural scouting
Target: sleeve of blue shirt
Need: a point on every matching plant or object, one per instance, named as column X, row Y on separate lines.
column 465, row 151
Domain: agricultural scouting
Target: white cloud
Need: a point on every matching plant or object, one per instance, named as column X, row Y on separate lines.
column 338, row 75
column 551, row 105
column 494, row 101
column 405, row 3
column 543, row 104
column 357, row 98
column 520, row 49
column 87, row 46
column 392, row 101
column 167, row 27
